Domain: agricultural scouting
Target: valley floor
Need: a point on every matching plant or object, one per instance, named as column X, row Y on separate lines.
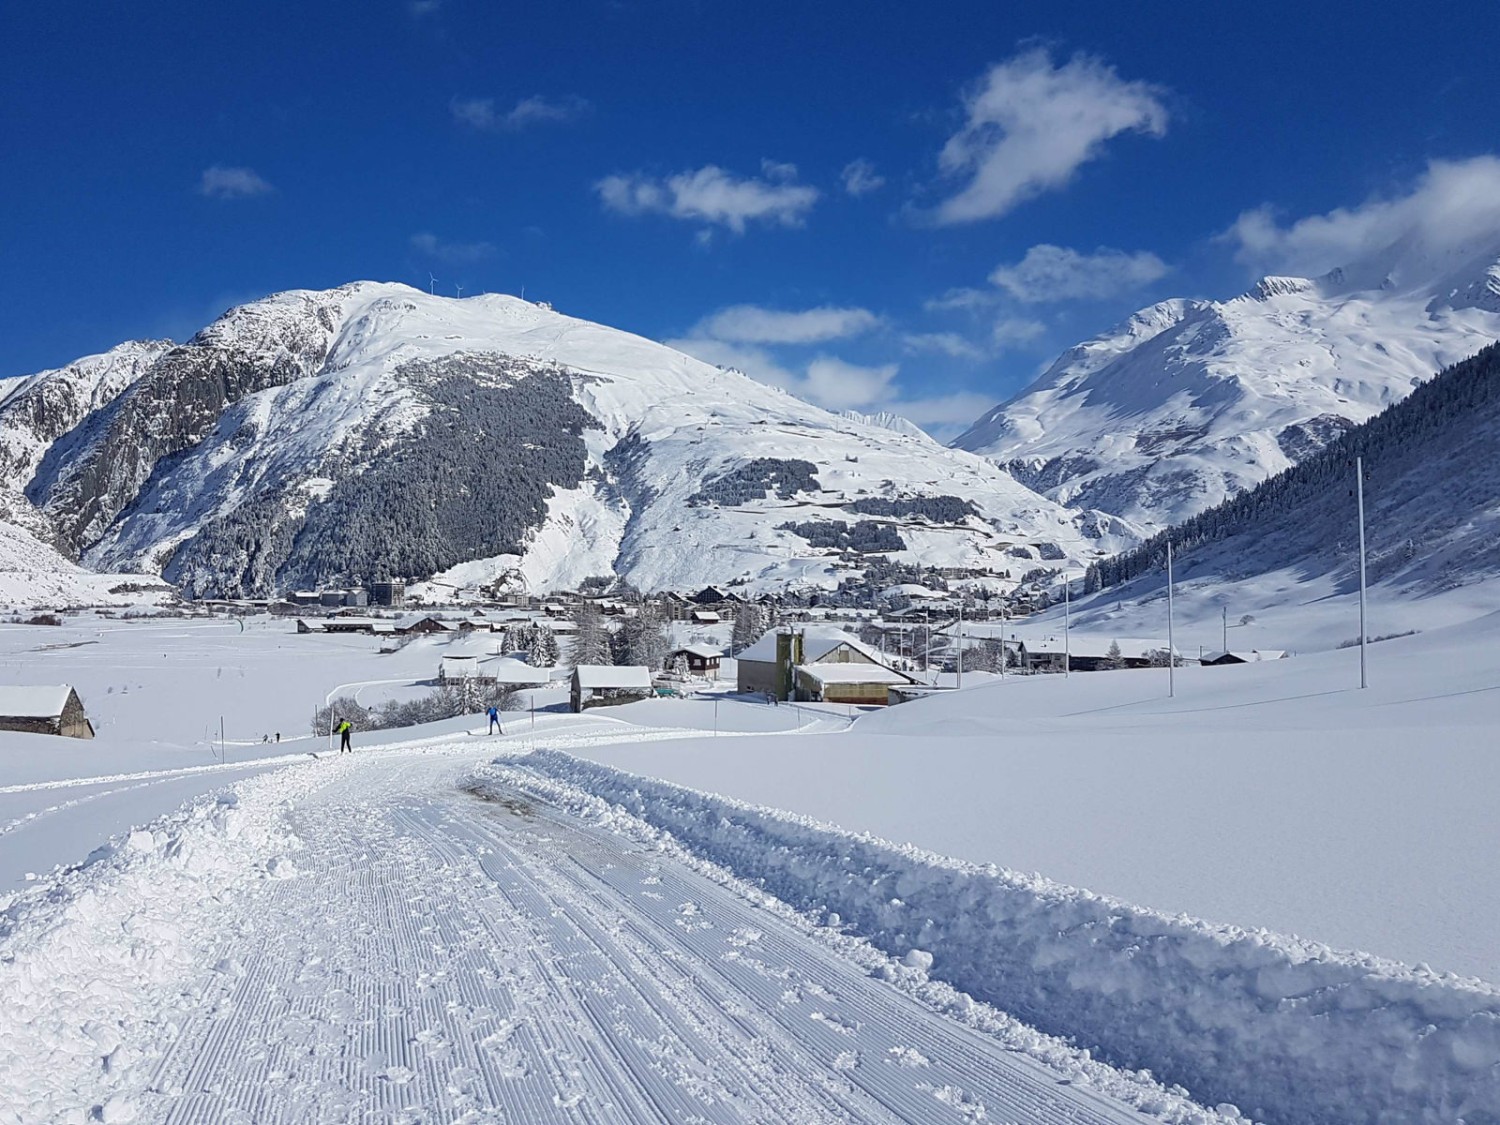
column 419, row 948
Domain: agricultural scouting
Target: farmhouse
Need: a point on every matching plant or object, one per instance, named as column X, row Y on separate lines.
column 52, row 709
column 701, row 660
column 705, row 617
column 1092, row 653
column 603, row 685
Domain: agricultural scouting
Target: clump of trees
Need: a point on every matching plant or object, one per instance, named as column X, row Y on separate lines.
column 754, row 480
column 641, row 639
column 537, row 641
column 937, row 509
column 863, row 536
column 750, row 623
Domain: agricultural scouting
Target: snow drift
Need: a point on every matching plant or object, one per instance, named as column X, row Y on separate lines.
column 1288, row 1030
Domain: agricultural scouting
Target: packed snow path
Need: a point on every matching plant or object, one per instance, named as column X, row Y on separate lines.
column 440, row 956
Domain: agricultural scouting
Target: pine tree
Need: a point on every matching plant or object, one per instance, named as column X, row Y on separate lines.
column 1114, row 658
column 748, row 627
column 544, row 652
column 591, row 644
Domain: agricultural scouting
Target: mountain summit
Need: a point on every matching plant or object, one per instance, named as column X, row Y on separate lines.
column 375, row 429
column 1189, row 402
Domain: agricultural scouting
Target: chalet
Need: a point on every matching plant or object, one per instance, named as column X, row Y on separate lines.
column 427, row 624
column 1254, row 656
column 304, row 597
column 704, row 617
column 701, row 660
column 603, row 685
column 53, row 709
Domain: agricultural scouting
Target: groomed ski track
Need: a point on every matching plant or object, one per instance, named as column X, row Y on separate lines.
column 446, row 956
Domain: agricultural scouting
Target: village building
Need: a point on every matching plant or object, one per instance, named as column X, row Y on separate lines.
column 492, row 671
column 604, row 685
column 51, row 709
column 800, row 663
column 701, row 660
column 705, row 617
column 1090, row 653
column 390, row 592
column 1254, row 656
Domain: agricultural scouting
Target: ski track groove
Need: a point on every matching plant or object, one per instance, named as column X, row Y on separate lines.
column 441, row 958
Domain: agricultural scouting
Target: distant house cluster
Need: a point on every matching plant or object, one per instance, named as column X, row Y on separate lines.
column 390, row 593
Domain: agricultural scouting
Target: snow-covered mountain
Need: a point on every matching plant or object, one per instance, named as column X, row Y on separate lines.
column 1432, row 507
column 1192, row 401
column 373, row 428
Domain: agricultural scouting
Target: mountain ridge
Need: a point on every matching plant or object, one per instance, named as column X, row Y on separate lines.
column 318, row 435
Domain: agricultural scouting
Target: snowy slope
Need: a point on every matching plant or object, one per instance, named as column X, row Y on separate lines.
column 1192, row 401
column 33, row 573
column 318, row 436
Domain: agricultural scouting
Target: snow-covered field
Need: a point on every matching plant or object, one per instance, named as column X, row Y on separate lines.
column 449, row 926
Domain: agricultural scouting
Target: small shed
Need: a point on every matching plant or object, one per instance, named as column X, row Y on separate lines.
column 604, row 685
column 701, row 660
column 458, row 669
column 50, row 709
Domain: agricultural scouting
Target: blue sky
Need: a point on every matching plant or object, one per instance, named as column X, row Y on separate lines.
column 877, row 205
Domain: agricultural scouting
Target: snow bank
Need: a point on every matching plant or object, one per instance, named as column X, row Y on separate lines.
column 96, row 959
column 1288, row 1030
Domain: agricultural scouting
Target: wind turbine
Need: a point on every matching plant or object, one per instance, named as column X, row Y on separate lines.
column 431, row 283
column 460, row 289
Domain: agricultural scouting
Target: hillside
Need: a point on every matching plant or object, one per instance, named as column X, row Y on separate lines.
column 374, row 429
column 1432, row 496
column 1189, row 402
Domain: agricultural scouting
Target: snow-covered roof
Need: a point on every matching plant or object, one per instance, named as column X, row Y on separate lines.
column 460, row 667
column 1248, row 657
column 707, row 652
column 33, row 701
column 508, row 670
column 613, row 676
column 817, row 642
column 854, row 674
column 705, row 615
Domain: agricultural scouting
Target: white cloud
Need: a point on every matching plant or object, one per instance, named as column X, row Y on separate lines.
column 420, row 8
column 1015, row 331
column 1056, row 273
column 220, row 182
column 712, row 195
column 860, row 177
column 949, row 343
column 836, row 385
column 482, row 113
column 752, row 324
column 1030, row 125
column 755, row 362
column 454, row 253
column 1453, row 203
column 963, row 299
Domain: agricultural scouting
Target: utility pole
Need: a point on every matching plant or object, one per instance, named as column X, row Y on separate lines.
column 1067, row 626
column 1359, row 491
column 1171, row 648
column 1224, row 616
column 960, row 664
column 927, row 640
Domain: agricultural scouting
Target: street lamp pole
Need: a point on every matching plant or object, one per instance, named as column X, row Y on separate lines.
column 1067, row 626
